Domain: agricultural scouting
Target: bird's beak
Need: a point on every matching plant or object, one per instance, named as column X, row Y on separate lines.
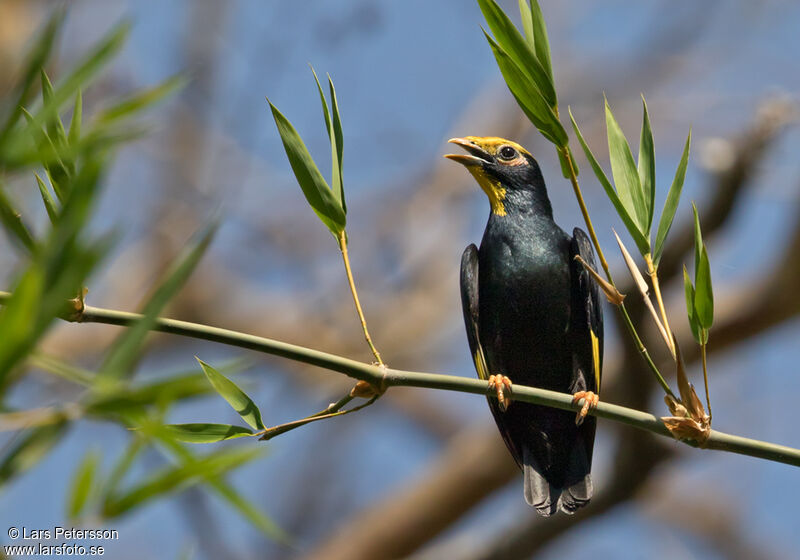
column 478, row 156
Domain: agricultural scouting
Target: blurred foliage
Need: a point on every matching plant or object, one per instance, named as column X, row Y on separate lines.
column 67, row 165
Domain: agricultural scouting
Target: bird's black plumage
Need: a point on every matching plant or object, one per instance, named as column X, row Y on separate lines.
column 531, row 312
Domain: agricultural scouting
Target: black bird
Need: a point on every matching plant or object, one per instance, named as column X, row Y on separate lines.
column 533, row 315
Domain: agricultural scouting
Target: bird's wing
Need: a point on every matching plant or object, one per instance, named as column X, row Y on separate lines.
column 587, row 317
column 469, row 305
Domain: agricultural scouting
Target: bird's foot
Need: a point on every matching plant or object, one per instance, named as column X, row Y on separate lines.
column 590, row 401
column 501, row 384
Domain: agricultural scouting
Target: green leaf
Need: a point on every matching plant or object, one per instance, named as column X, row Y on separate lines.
column 671, row 204
column 510, row 40
column 55, row 128
column 13, row 224
column 205, row 433
column 75, row 123
column 704, row 295
column 36, row 59
column 141, row 100
column 542, row 43
column 698, row 240
column 29, row 450
column 690, row 311
column 641, row 241
column 317, row 192
column 176, row 478
column 81, row 75
column 647, row 165
column 527, row 23
column 47, row 199
column 82, row 484
column 337, row 148
column 626, row 176
column 229, row 494
column 528, row 97
column 126, row 349
column 240, row 402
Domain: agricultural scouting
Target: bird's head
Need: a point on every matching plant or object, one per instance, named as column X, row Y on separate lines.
column 507, row 172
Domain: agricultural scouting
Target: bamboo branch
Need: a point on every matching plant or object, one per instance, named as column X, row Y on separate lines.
column 383, row 378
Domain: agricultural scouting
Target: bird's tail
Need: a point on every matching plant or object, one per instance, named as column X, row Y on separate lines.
column 548, row 498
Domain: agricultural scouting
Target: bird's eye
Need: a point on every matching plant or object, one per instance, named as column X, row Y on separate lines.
column 507, row 152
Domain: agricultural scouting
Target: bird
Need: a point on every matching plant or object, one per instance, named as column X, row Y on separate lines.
column 532, row 314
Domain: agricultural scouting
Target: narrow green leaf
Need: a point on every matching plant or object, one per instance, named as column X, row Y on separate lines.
column 55, row 128
column 626, row 177
column 704, row 295
column 75, row 123
column 229, row 494
column 13, row 224
column 698, row 240
column 325, row 112
column 36, row 59
column 528, row 97
column 31, row 448
column 337, row 149
column 527, row 23
column 205, row 433
column 641, row 242
column 317, row 192
column 690, row 311
column 542, row 43
column 82, row 484
column 176, row 478
column 126, row 349
column 647, row 165
column 671, row 204
column 141, row 100
column 80, row 76
column 47, row 199
column 240, row 402
column 514, row 45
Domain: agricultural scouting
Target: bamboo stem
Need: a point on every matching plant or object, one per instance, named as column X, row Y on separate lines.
column 351, row 282
column 652, row 270
column 383, row 376
column 705, row 378
column 573, row 177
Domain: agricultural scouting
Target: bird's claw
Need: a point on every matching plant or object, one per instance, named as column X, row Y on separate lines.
column 590, row 401
column 501, row 384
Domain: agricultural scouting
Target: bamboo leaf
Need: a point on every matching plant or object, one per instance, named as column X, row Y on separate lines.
column 671, row 204
column 126, row 349
column 337, row 148
column 510, row 40
column 29, row 450
column 13, row 224
column 205, row 433
column 82, row 484
column 141, row 100
column 75, row 123
column 36, row 59
column 527, row 23
column 698, row 240
column 55, row 128
column 641, row 241
column 176, row 478
column 316, row 190
column 626, row 176
column 542, row 43
column 704, row 295
column 647, row 165
column 528, row 97
column 47, row 199
column 229, row 494
column 690, row 311
column 228, row 390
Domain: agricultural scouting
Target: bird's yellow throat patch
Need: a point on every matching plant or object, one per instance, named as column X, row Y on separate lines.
column 493, row 189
